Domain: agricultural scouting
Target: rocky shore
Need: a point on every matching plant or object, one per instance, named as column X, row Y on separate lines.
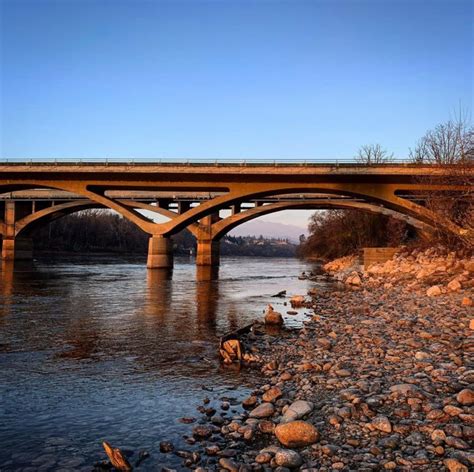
column 380, row 377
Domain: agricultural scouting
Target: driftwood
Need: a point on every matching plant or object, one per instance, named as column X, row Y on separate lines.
column 237, row 333
column 230, row 351
column 230, row 347
column 117, row 459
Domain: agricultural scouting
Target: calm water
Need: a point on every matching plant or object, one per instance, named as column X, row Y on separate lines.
column 104, row 349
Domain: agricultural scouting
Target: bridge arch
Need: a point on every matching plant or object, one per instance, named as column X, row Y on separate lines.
column 384, row 197
column 222, row 227
column 381, row 193
column 26, row 225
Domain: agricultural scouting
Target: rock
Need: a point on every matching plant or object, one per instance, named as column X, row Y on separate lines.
column 297, row 434
column 353, row 279
column 285, row 376
column 457, row 443
column 438, row 435
column 166, row 446
column 272, row 394
column 454, row 465
column 466, row 301
column 343, row 373
column 266, row 426
column 465, row 397
column 390, row 465
column 297, row 410
column 405, row 390
column 433, row 291
column 250, row 402
column 229, row 464
column 297, row 301
column 324, row 343
column 273, row 317
column 263, row 411
column 212, row 450
column 452, row 410
column 288, row 458
column 454, row 285
column 263, row 458
column 421, row 355
column 202, row 432
column 471, row 324
column 382, row 423
column 218, row 420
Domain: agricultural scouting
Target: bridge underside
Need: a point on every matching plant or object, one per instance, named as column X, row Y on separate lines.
column 208, row 200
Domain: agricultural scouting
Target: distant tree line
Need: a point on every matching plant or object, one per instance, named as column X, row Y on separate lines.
column 338, row 233
column 91, row 231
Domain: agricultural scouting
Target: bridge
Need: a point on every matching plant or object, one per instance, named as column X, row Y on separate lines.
column 209, row 198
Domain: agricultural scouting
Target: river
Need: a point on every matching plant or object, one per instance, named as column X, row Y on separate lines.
column 103, row 349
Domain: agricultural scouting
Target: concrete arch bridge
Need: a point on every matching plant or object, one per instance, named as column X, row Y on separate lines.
column 209, row 199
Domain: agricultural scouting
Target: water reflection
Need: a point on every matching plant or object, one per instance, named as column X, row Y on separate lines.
column 92, row 350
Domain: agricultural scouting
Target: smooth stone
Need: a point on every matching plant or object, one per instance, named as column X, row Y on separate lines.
column 297, row 433
column 382, row 423
column 288, row 458
column 229, row 464
column 272, row 394
column 465, row 397
column 454, row 465
column 297, row 410
column 263, row 411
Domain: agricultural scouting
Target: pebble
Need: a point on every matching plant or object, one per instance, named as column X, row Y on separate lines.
column 297, row 410
column 288, row 458
column 263, row 411
column 382, row 423
column 272, row 394
column 465, row 397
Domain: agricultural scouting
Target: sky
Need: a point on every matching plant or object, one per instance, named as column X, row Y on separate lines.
column 229, row 79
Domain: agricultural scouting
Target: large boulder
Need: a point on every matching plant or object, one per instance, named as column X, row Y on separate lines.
column 297, row 410
column 272, row 317
column 297, row 434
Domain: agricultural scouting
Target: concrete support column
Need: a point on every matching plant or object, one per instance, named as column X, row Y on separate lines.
column 207, row 252
column 183, row 207
column 8, row 249
column 236, row 208
column 160, row 252
column 18, row 249
column 14, row 248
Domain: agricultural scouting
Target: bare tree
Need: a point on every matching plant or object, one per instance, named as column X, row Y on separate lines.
column 373, row 154
column 450, row 145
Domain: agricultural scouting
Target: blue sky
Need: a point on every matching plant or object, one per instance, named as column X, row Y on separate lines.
column 236, row 79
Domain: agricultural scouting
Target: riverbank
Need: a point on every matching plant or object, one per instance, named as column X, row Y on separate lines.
column 382, row 376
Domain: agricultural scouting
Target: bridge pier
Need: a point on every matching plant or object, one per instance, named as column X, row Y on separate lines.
column 160, row 253
column 207, row 252
column 15, row 247
column 18, row 249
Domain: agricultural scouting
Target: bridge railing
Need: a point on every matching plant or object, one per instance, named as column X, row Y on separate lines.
column 192, row 161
